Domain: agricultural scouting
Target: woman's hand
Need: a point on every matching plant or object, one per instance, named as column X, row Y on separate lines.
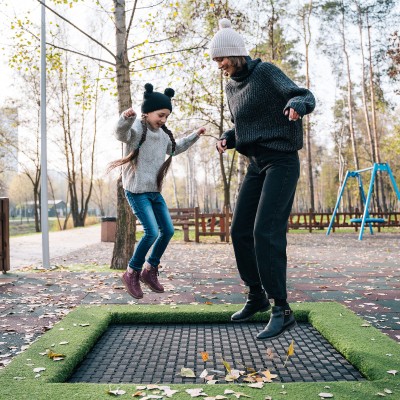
column 292, row 114
column 201, row 131
column 221, row 146
column 129, row 113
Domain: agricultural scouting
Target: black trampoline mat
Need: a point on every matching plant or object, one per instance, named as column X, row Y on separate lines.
column 156, row 353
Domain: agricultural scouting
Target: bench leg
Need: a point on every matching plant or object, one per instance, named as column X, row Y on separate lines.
column 185, row 229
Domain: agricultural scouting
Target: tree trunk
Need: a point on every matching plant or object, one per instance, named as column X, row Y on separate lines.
column 307, row 39
column 380, row 201
column 125, row 228
column 363, row 88
column 175, row 190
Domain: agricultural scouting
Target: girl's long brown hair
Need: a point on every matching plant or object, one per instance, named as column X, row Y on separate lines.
column 132, row 157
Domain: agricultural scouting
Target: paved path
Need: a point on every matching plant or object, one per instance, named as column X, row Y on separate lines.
column 27, row 250
column 363, row 275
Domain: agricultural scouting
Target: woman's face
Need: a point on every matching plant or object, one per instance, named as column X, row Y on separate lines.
column 156, row 119
column 225, row 65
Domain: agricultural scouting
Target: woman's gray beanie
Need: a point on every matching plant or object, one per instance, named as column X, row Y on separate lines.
column 227, row 42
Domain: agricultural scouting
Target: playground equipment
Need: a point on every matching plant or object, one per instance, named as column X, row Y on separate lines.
column 384, row 167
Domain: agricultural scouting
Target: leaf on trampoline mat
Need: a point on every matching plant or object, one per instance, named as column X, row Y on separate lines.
column 204, row 374
column 226, row 365
column 187, row 373
column 204, row 356
column 270, row 353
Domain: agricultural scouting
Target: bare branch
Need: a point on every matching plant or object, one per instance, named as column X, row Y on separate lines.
column 167, row 52
column 155, row 41
column 80, row 30
column 130, row 24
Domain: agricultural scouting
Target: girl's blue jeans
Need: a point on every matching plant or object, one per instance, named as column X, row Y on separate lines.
column 152, row 212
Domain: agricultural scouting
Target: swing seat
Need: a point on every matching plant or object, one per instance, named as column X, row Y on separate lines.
column 368, row 220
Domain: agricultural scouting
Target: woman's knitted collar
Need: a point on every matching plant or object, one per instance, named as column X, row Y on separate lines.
column 247, row 69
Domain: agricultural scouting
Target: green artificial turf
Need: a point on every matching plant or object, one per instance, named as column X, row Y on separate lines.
column 370, row 351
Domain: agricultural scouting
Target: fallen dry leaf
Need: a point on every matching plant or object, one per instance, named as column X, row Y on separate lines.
column 187, row 373
column 204, row 356
column 116, row 392
column 196, row 392
column 325, row 395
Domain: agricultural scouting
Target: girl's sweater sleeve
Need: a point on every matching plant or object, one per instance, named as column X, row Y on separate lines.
column 183, row 144
column 124, row 131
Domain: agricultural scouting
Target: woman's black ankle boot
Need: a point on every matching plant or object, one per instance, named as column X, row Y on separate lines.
column 282, row 320
column 256, row 301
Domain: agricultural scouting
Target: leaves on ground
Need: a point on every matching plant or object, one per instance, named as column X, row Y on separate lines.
column 187, row 373
column 116, row 392
column 290, row 352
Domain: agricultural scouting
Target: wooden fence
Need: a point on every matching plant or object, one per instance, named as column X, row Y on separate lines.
column 216, row 224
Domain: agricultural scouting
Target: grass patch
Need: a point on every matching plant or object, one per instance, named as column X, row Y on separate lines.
column 341, row 327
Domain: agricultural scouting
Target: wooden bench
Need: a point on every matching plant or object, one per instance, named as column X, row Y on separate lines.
column 183, row 217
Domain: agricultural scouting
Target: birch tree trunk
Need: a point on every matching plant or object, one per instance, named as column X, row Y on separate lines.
column 349, row 95
column 305, row 19
column 380, row 200
column 364, row 86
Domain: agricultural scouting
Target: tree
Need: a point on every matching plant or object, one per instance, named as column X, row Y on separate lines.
column 123, row 66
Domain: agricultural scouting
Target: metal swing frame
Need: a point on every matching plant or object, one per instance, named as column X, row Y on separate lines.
column 366, row 200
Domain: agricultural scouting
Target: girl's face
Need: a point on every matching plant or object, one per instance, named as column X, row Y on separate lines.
column 156, row 119
column 225, row 65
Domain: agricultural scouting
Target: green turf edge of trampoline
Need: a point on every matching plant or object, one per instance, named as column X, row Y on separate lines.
column 365, row 347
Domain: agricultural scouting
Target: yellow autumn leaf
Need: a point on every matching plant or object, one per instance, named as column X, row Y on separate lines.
column 226, row 365
column 267, row 374
column 53, row 355
column 204, row 356
column 290, row 352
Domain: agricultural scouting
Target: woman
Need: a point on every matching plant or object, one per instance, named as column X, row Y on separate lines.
column 266, row 108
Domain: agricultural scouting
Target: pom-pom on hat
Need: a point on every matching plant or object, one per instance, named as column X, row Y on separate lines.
column 227, row 42
column 153, row 101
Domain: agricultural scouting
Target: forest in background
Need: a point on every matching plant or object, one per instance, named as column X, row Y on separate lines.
column 89, row 58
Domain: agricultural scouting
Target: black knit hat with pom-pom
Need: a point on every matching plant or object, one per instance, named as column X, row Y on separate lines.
column 153, row 101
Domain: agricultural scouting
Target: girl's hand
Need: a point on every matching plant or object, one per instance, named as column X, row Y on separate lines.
column 201, row 131
column 129, row 113
column 221, row 146
column 292, row 114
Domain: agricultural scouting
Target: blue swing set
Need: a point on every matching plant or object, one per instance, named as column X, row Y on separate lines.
column 366, row 219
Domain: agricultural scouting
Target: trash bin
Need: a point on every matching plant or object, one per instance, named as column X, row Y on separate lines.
column 108, row 229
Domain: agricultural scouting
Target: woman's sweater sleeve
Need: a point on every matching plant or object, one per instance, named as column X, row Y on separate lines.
column 300, row 99
column 124, row 131
column 229, row 135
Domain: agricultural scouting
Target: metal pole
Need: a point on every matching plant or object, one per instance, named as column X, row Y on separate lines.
column 44, row 213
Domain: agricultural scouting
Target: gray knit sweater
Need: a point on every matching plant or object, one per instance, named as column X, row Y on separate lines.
column 257, row 99
column 151, row 155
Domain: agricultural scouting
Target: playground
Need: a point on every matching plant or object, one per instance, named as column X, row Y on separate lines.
column 202, row 284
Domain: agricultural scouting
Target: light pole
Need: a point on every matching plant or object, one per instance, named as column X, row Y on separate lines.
column 44, row 213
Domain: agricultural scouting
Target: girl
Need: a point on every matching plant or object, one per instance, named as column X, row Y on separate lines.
column 266, row 108
column 144, row 168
